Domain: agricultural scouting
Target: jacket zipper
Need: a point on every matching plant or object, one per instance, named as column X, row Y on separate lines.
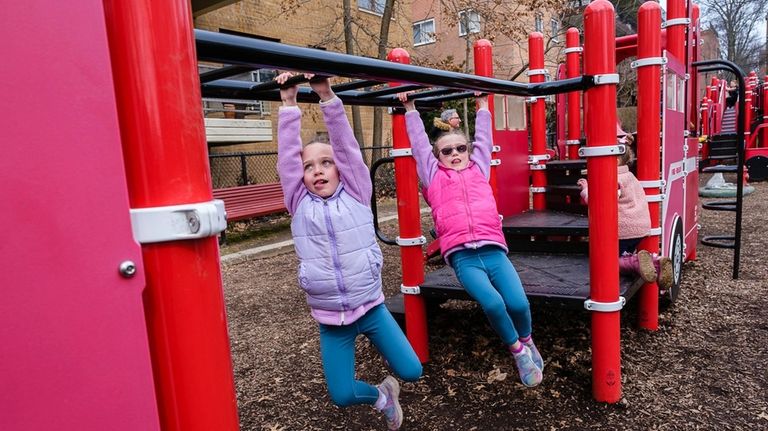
column 335, row 256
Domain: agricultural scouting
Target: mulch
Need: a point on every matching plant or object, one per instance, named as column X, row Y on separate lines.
column 705, row 368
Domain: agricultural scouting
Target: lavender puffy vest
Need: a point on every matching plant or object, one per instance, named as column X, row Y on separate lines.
column 340, row 260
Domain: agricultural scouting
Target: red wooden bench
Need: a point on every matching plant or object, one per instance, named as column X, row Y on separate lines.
column 250, row 201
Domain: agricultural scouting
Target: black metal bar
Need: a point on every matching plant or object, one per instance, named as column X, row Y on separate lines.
column 233, row 89
column 244, row 170
column 225, row 48
column 354, row 85
column 374, row 166
column 391, row 90
column 727, row 65
column 223, row 72
column 273, row 85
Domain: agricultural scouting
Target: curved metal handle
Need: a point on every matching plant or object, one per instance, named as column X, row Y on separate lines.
column 374, row 166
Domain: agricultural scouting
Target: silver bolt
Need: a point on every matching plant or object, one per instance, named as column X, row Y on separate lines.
column 127, row 269
column 194, row 222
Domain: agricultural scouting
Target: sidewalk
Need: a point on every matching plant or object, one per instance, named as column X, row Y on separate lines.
column 245, row 255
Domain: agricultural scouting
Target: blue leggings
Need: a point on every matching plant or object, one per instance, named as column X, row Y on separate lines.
column 337, row 348
column 489, row 277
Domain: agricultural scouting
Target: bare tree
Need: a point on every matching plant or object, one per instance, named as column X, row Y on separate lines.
column 349, row 44
column 736, row 22
column 386, row 19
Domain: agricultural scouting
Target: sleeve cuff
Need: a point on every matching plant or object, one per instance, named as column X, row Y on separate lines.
column 330, row 102
column 289, row 108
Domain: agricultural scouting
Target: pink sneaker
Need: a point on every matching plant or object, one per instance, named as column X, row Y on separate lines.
column 530, row 374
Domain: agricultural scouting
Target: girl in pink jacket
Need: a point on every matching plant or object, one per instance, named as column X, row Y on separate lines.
column 634, row 223
column 455, row 175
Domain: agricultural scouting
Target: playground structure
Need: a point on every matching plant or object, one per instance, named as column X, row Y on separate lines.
column 141, row 314
column 718, row 142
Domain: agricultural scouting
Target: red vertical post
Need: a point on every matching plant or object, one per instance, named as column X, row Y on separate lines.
column 715, row 106
column 411, row 259
column 648, row 141
column 600, row 129
column 693, row 82
column 704, row 130
column 749, row 82
column 166, row 158
column 764, row 140
column 484, row 67
column 676, row 32
column 572, row 70
column 536, row 74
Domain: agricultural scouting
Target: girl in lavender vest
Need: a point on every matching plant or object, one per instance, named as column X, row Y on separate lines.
column 634, row 222
column 327, row 190
column 455, row 174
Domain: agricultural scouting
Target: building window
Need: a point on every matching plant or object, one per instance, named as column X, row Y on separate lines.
column 373, row 6
column 469, row 19
column 538, row 22
column 554, row 27
column 424, row 32
column 261, row 75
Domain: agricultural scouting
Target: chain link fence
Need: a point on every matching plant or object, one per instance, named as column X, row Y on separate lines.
column 239, row 169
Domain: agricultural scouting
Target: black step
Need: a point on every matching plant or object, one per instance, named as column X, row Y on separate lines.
column 719, row 241
column 567, row 164
column 722, row 168
column 723, row 156
column 720, row 206
column 556, row 278
column 535, row 222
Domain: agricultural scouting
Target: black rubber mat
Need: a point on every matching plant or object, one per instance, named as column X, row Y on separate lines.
column 546, row 223
column 549, row 277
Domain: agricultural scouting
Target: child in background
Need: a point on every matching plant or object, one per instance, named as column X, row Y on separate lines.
column 455, row 175
column 634, row 222
column 327, row 191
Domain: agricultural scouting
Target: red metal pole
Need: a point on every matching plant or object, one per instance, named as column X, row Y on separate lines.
column 166, row 158
column 600, row 129
column 693, row 82
column 648, row 132
column 676, row 33
column 484, row 67
column 406, row 186
column 764, row 140
column 749, row 82
column 538, row 118
column 572, row 70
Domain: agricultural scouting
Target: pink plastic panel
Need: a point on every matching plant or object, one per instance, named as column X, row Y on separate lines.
column 512, row 175
column 673, row 155
column 73, row 340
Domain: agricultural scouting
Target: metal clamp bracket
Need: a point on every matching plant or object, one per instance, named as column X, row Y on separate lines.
column 653, row 184
column 495, row 149
column 410, row 241
column 654, row 231
column 495, row 162
column 178, row 222
column 536, row 158
column 538, row 167
column 400, row 152
column 605, row 307
column 655, row 198
column 410, row 290
column 538, row 189
column 532, row 72
column 573, row 142
column 649, row 61
column 573, row 49
column 534, row 99
column 607, row 150
column 686, row 133
column 606, row 78
column 675, row 21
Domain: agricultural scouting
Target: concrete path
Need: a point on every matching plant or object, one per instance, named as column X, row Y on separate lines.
column 244, row 255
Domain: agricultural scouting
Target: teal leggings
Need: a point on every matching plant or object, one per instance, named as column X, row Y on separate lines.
column 337, row 348
column 490, row 279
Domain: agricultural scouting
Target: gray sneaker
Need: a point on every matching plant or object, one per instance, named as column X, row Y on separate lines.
column 530, row 374
column 535, row 355
column 392, row 410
